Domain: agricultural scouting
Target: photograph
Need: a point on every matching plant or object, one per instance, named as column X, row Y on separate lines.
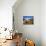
column 28, row 20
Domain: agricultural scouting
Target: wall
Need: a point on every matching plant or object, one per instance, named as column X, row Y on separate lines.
column 43, row 22
column 29, row 8
column 6, row 13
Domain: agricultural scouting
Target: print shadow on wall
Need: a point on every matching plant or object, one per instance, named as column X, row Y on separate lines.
column 28, row 20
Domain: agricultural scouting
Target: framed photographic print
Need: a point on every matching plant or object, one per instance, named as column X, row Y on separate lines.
column 28, row 20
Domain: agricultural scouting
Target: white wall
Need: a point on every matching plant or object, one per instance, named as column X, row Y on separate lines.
column 6, row 13
column 29, row 8
column 43, row 22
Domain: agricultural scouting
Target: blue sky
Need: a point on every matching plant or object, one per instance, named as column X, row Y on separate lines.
column 27, row 17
